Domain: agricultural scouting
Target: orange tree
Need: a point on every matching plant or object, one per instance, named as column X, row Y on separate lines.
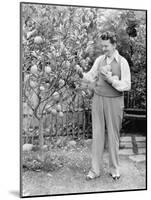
column 55, row 46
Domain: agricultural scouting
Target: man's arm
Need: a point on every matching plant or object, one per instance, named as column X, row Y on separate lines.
column 125, row 83
column 91, row 75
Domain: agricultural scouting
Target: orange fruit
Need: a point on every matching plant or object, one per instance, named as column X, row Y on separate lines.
column 58, row 107
column 61, row 82
column 56, row 96
column 48, row 69
column 61, row 114
column 53, row 111
column 42, row 88
column 34, row 69
column 38, row 40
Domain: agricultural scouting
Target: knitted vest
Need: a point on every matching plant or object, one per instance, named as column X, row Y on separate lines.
column 102, row 87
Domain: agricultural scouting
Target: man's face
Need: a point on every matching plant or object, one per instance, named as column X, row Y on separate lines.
column 107, row 47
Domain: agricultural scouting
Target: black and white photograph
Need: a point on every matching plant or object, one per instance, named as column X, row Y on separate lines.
column 83, row 99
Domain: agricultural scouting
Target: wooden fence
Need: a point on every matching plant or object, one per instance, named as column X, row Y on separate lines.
column 76, row 123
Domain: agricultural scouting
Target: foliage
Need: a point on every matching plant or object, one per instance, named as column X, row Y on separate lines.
column 54, row 157
column 47, row 162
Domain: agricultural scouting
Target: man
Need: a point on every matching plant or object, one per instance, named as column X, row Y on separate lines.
column 107, row 104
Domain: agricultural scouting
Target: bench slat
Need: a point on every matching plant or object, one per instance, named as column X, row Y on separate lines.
column 134, row 116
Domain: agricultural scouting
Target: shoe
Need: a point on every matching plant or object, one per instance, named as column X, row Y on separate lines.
column 115, row 176
column 92, row 175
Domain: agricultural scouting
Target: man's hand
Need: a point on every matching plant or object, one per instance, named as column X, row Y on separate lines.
column 106, row 77
column 83, row 85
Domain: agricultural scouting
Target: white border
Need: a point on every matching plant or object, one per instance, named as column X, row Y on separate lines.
column 9, row 100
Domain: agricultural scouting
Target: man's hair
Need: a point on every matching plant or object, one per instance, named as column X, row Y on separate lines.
column 109, row 36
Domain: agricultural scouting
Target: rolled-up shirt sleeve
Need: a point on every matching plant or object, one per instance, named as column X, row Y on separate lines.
column 125, row 83
column 92, row 74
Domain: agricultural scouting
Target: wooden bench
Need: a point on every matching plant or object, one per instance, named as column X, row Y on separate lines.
column 137, row 114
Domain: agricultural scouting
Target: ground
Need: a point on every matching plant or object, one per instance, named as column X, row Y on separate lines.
column 70, row 178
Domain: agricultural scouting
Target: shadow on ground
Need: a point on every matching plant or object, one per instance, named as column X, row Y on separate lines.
column 14, row 193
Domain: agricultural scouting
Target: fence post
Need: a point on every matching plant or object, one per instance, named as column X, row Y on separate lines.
column 78, row 111
column 41, row 138
column 84, row 124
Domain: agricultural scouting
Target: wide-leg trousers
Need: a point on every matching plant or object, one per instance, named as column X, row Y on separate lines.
column 106, row 111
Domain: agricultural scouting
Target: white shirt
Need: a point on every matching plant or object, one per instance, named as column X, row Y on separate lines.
column 121, row 85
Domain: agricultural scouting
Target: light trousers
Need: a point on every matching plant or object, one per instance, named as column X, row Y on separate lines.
column 106, row 111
